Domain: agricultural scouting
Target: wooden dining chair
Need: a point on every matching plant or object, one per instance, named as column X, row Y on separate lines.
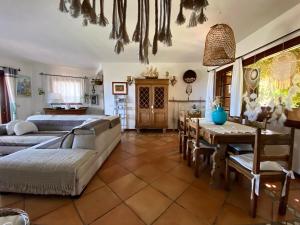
column 260, row 167
column 238, row 149
column 197, row 148
column 182, row 130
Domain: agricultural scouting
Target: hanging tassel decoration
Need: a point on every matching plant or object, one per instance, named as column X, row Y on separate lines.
column 119, row 47
column 62, row 6
column 168, row 38
column 136, row 33
column 146, row 38
column 113, row 33
column 124, row 36
column 180, row 18
column 199, row 4
column 102, row 19
column 202, row 18
column 86, row 10
column 188, row 4
column 93, row 15
column 193, row 20
column 141, row 52
column 162, row 33
column 75, row 8
column 155, row 38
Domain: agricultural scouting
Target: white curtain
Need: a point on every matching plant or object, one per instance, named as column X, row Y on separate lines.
column 209, row 94
column 236, row 95
column 10, row 80
column 71, row 89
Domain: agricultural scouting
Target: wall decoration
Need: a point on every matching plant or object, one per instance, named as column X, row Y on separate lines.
column 23, row 86
column 253, row 108
column 278, row 116
column 94, row 99
column 189, row 76
column 119, row 88
column 251, row 77
column 283, row 67
column 189, row 90
column 41, row 91
column 150, row 73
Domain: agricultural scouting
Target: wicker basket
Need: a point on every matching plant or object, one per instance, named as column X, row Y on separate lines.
column 219, row 46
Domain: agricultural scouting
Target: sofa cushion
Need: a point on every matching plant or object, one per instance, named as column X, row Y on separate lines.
column 3, row 129
column 24, row 140
column 25, row 127
column 10, row 126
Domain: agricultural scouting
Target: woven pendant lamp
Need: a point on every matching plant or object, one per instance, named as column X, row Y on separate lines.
column 219, row 46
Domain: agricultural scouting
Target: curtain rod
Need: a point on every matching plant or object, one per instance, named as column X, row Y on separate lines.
column 265, row 45
column 4, row 67
column 57, row 75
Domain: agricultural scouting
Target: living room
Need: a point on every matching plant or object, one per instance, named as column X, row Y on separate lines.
column 176, row 112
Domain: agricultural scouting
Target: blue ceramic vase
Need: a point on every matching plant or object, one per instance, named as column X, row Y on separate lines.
column 219, row 116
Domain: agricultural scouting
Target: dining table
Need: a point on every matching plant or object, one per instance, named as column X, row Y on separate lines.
column 221, row 136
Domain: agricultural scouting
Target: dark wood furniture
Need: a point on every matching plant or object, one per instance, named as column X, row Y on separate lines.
column 151, row 103
column 198, row 148
column 273, row 173
column 182, row 127
column 53, row 111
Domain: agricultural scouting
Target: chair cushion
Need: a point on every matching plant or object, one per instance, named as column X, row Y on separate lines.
column 240, row 148
column 246, row 160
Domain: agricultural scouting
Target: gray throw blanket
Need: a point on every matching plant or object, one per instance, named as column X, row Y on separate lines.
column 37, row 171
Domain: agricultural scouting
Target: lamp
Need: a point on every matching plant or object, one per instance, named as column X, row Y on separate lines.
column 54, row 98
column 219, row 46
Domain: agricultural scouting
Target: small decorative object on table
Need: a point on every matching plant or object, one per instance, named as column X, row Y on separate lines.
column 150, row 73
column 13, row 217
column 219, row 116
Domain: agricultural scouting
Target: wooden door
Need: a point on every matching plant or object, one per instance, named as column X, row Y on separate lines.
column 143, row 104
column 159, row 106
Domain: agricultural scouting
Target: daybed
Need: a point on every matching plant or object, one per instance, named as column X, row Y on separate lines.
column 66, row 170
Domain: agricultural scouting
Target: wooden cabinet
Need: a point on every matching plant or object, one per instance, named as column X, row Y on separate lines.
column 80, row 111
column 151, row 103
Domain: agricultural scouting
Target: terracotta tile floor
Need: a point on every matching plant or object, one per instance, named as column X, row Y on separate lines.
column 145, row 181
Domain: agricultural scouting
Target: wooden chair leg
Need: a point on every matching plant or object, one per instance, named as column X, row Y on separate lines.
column 189, row 156
column 284, row 200
column 184, row 146
column 227, row 176
column 197, row 162
column 253, row 208
column 180, row 142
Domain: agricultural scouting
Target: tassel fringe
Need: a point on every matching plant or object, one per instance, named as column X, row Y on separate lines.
column 75, row 8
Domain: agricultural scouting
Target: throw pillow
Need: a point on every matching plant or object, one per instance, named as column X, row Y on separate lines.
column 10, row 127
column 25, row 127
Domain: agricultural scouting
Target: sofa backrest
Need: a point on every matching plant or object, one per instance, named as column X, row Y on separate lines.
column 56, row 125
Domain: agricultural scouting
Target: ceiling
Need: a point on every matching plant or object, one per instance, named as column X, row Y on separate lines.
column 36, row 30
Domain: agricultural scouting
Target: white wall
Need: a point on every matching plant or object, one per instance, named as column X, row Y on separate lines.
column 120, row 71
column 27, row 106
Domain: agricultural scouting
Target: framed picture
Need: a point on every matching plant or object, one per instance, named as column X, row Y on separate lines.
column 95, row 99
column 119, row 88
column 23, row 86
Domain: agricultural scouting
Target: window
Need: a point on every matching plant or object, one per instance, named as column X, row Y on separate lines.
column 223, row 86
column 272, row 87
column 70, row 89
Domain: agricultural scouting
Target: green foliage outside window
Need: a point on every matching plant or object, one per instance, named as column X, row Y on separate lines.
column 267, row 89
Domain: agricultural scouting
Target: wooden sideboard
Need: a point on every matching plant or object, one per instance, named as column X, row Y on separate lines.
column 151, row 103
column 53, row 111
